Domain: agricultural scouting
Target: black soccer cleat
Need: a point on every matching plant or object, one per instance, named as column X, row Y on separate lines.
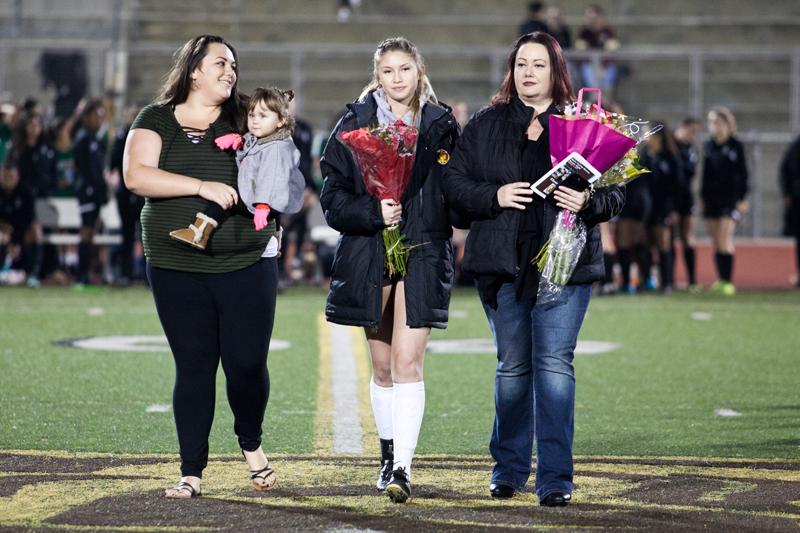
column 399, row 488
column 384, row 475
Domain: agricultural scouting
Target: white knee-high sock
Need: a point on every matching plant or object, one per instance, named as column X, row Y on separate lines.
column 382, row 409
column 407, row 411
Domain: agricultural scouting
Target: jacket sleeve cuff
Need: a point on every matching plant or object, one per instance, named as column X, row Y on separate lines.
column 494, row 207
column 377, row 215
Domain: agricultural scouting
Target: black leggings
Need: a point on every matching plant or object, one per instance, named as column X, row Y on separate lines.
column 208, row 317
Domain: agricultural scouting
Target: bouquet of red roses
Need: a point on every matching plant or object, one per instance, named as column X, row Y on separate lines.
column 385, row 156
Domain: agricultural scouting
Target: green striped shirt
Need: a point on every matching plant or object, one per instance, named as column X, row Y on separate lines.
column 234, row 244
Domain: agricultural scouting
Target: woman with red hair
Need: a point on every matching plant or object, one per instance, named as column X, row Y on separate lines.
column 504, row 149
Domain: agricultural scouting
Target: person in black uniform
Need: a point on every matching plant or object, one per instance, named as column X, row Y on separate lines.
column 36, row 163
column 685, row 137
column 661, row 156
column 723, row 191
column 790, row 187
column 90, row 181
column 631, row 233
column 16, row 215
column 296, row 225
column 129, row 205
column 36, row 158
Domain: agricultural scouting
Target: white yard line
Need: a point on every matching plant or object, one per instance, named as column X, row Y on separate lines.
column 347, row 431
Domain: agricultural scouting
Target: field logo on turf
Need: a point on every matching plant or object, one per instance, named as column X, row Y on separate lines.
column 138, row 343
column 472, row 346
column 74, row 491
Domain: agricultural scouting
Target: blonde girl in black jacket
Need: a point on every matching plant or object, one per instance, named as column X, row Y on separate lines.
column 396, row 313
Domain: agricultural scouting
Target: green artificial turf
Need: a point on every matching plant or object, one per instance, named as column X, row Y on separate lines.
column 655, row 395
column 64, row 398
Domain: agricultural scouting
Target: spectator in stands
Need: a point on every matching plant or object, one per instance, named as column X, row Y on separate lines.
column 90, row 181
column 686, row 138
column 17, row 204
column 345, row 9
column 129, row 205
column 557, row 27
column 218, row 304
column 535, row 20
column 397, row 312
column 661, row 156
column 502, row 151
column 724, row 191
column 790, row 187
column 596, row 34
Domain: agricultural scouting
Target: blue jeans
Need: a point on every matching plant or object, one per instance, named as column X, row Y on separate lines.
column 535, row 387
column 605, row 80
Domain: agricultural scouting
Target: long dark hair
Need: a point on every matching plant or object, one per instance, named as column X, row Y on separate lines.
column 668, row 144
column 178, row 81
column 91, row 105
column 561, row 84
column 19, row 140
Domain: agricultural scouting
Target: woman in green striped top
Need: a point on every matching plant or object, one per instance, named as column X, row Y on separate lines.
column 217, row 305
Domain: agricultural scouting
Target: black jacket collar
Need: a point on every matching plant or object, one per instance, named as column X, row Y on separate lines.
column 519, row 112
column 366, row 113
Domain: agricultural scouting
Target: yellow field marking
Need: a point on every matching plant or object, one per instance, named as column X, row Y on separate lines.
column 105, row 527
column 704, row 471
column 46, row 497
column 642, row 459
column 369, row 433
column 728, row 488
column 697, row 509
column 323, row 422
column 37, row 502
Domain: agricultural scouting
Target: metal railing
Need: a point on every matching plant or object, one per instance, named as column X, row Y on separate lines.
column 111, row 48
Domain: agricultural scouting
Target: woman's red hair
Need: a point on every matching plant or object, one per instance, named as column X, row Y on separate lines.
column 562, row 86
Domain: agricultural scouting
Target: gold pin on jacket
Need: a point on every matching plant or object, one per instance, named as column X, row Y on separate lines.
column 442, row 157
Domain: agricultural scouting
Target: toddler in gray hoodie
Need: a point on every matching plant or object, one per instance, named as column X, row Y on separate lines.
column 270, row 181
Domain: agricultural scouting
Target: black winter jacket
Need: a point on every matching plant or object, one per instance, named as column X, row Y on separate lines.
column 38, row 170
column 358, row 266
column 489, row 155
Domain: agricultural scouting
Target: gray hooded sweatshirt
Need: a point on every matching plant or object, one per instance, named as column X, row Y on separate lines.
column 269, row 173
